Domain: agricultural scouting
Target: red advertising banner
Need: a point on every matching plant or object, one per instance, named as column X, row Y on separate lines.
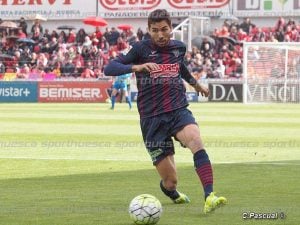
column 73, row 91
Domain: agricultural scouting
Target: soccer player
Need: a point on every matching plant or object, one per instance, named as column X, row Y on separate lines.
column 162, row 104
column 120, row 84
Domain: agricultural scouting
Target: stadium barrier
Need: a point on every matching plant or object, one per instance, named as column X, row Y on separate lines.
column 55, row 91
column 11, row 91
column 221, row 90
column 225, row 90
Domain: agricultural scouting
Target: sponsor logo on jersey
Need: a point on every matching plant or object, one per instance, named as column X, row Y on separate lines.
column 166, row 70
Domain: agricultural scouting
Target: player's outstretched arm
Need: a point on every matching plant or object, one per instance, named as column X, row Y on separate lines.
column 122, row 64
column 186, row 75
column 117, row 68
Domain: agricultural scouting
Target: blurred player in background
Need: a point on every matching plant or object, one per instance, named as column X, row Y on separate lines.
column 120, row 84
column 162, row 104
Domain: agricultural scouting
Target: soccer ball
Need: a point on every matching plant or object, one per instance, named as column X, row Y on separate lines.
column 145, row 209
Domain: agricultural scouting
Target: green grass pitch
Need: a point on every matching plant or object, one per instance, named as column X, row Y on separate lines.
column 81, row 164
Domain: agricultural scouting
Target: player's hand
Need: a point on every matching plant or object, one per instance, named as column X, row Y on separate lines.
column 202, row 89
column 146, row 67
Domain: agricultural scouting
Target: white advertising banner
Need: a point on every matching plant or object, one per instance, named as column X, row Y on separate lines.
column 267, row 8
column 177, row 8
column 50, row 9
column 78, row 9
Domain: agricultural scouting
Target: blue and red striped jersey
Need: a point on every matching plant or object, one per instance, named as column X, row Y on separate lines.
column 159, row 91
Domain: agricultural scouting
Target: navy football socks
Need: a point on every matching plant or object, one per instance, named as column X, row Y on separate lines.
column 204, row 170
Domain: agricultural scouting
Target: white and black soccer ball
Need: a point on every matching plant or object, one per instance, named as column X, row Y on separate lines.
column 145, row 209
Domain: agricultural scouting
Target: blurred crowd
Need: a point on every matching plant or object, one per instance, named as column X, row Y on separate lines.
column 36, row 53
column 220, row 55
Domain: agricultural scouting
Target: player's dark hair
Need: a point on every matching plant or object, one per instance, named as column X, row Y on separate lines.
column 159, row 15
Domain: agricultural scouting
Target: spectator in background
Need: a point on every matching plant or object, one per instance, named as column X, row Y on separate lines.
column 242, row 35
column 113, row 36
column 279, row 34
column 85, row 53
column 78, row 58
column 206, row 48
column 44, row 45
column 37, row 24
column 24, row 72
column 87, row 42
column 238, row 68
column 54, row 34
column 36, row 33
column 88, row 71
column 121, row 44
column 2, row 68
column 220, row 68
column 280, row 24
column 21, row 34
column 68, row 68
column 224, row 31
column 80, row 36
column 33, row 60
column 23, row 25
column 146, row 35
column 246, row 25
column 259, row 35
column 53, row 45
column 57, row 69
column 71, row 38
column 47, row 35
column 42, row 60
column 63, row 36
column 140, row 34
column 78, row 69
column 199, row 73
column 17, row 57
column 195, row 51
column 98, row 34
column 234, row 32
column 272, row 38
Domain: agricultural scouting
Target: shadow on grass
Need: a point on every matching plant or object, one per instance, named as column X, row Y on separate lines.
column 104, row 198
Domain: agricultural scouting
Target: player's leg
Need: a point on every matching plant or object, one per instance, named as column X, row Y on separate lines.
column 168, row 184
column 189, row 136
column 125, row 93
column 160, row 147
column 187, row 132
column 113, row 97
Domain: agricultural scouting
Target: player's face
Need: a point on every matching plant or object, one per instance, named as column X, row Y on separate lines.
column 160, row 33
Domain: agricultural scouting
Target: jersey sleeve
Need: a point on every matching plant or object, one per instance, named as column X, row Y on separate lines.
column 186, row 75
column 122, row 64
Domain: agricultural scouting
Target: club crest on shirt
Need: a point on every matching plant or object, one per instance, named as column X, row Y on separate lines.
column 176, row 53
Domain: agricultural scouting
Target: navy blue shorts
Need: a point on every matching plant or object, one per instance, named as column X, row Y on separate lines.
column 158, row 132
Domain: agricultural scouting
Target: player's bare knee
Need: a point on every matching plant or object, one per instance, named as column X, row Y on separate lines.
column 195, row 143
